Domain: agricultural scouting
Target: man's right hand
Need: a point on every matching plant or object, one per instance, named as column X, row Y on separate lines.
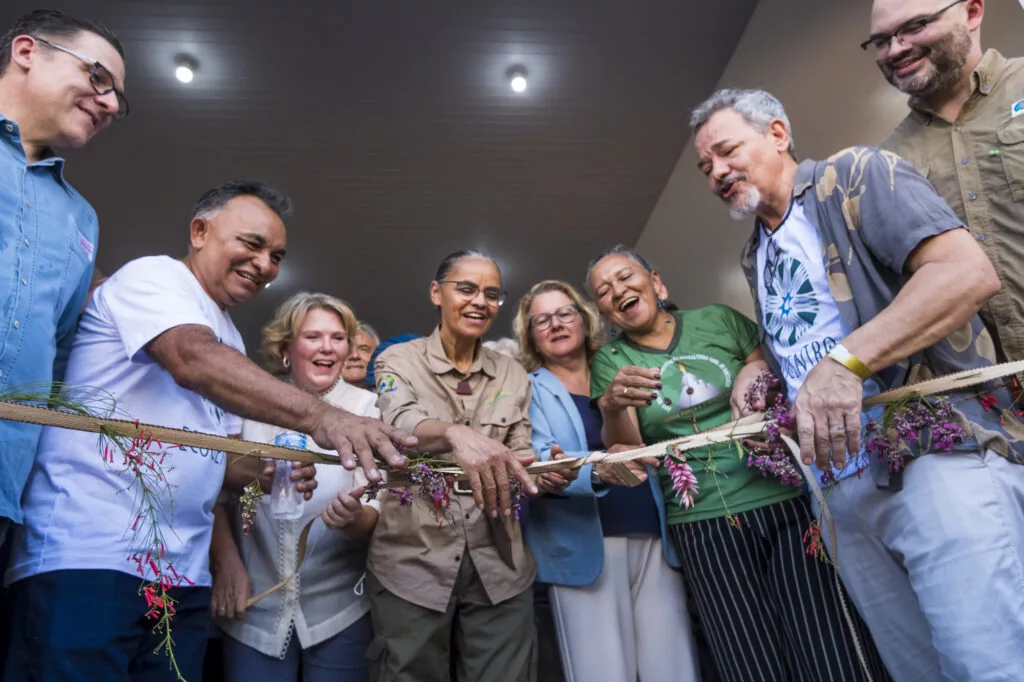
column 363, row 439
column 489, row 465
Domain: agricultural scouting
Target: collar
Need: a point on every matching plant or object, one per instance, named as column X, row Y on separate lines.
column 983, row 80
column 439, row 364
column 11, row 137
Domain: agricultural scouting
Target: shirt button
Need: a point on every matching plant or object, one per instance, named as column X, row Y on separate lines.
column 972, row 196
column 17, row 324
column 981, row 237
column 10, row 128
column 964, row 161
column 985, row 87
column 28, row 203
column 24, row 281
column 458, row 558
column 467, row 422
column 26, row 242
column 958, row 128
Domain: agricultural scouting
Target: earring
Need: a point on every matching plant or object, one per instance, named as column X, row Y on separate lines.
column 286, row 362
column 661, row 304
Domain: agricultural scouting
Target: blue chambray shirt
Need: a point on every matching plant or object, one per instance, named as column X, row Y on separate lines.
column 48, row 236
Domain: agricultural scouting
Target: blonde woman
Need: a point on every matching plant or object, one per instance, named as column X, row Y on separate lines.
column 620, row 608
column 319, row 619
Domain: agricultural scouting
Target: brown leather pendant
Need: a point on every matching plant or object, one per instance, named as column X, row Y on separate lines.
column 464, row 388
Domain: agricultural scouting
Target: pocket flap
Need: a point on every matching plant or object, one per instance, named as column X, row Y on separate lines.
column 1012, row 132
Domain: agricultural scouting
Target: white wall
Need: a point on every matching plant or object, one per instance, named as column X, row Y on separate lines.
column 806, row 53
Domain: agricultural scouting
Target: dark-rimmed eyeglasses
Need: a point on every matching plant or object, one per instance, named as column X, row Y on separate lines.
column 567, row 314
column 881, row 41
column 99, row 76
column 467, row 291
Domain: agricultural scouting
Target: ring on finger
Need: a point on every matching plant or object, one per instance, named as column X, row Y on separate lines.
column 625, row 390
column 837, row 428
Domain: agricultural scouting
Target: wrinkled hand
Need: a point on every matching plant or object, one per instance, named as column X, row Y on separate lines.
column 303, row 473
column 632, row 387
column 827, row 411
column 557, row 481
column 488, row 465
column 361, row 438
column 744, row 380
column 638, row 467
column 231, row 587
column 343, row 510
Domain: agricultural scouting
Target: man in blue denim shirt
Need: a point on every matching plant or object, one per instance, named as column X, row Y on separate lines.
column 61, row 82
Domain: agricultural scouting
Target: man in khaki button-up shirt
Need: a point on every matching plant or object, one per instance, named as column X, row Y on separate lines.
column 965, row 133
column 419, row 560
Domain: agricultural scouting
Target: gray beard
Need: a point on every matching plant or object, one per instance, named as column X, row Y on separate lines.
column 750, row 200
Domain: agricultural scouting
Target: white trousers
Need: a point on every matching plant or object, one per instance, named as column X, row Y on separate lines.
column 937, row 568
column 631, row 623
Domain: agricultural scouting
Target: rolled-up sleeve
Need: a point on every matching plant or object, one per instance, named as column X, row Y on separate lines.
column 899, row 208
column 397, row 398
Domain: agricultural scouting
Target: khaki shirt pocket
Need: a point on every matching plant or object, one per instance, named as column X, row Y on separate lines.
column 1011, row 137
column 497, row 418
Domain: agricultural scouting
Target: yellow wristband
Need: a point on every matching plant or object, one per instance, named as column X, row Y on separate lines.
column 850, row 361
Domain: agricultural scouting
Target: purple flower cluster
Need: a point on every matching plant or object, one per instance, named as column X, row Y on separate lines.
column 773, row 457
column 427, row 484
column 888, row 442
column 515, row 490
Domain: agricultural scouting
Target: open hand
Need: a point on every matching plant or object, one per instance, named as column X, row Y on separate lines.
column 488, row 465
column 363, row 439
column 827, row 411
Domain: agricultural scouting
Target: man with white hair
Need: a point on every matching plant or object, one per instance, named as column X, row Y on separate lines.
column 863, row 280
column 964, row 132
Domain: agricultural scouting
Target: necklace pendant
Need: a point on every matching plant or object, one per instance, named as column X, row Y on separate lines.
column 464, row 388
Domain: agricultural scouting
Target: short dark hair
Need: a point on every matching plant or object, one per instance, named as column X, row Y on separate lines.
column 221, row 194
column 52, row 24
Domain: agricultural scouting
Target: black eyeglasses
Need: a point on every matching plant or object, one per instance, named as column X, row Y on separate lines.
column 99, row 76
column 913, row 27
column 467, row 291
column 567, row 314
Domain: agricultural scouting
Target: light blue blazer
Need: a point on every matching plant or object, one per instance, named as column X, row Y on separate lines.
column 564, row 530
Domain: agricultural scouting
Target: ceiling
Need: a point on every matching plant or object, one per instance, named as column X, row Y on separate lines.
column 392, row 127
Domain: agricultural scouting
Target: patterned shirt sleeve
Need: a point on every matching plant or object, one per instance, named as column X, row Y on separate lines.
column 899, row 209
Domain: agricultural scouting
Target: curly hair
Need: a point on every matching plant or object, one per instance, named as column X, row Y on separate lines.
column 288, row 318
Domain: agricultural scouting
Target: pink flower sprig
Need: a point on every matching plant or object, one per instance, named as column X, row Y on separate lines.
column 142, row 462
column 813, row 544
column 903, row 424
column 684, row 482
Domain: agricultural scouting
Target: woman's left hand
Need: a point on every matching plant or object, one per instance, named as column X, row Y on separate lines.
column 343, row 509
column 557, row 481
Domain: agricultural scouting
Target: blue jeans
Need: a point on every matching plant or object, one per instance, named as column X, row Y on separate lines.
column 341, row 658
column 91, row 625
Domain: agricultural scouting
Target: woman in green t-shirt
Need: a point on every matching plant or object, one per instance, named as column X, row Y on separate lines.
column 771, row 611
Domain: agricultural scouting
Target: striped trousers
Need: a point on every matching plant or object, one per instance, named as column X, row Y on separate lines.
column 771, row 612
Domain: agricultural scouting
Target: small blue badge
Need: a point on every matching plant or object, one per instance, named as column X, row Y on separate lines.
column 1017, row 108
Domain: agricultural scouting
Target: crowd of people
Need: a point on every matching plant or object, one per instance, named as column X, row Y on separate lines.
column 867, row 271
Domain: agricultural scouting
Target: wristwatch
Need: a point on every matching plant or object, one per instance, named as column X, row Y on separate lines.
column 595, row 479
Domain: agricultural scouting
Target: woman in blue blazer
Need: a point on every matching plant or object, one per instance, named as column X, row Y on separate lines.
column 619, row 606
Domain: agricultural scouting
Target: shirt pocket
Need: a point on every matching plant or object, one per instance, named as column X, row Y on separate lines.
column 1011, row 137
column 497, row 418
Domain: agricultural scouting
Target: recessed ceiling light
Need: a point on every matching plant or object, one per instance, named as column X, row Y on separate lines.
column 517, row 79
column 185, row 68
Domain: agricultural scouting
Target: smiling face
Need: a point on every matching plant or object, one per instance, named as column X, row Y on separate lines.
column 928, row 59
column 742, row 165
column 564, row 334
column 466, row 310
column 237, row 250
column 354, row 370
column 626, row 294
column 317, row 351
column 65, row 109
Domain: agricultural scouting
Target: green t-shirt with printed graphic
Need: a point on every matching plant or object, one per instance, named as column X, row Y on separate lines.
column 707, row 351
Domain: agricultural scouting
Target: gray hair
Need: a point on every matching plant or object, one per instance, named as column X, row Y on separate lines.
column 369, row 331
column 757, row 107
